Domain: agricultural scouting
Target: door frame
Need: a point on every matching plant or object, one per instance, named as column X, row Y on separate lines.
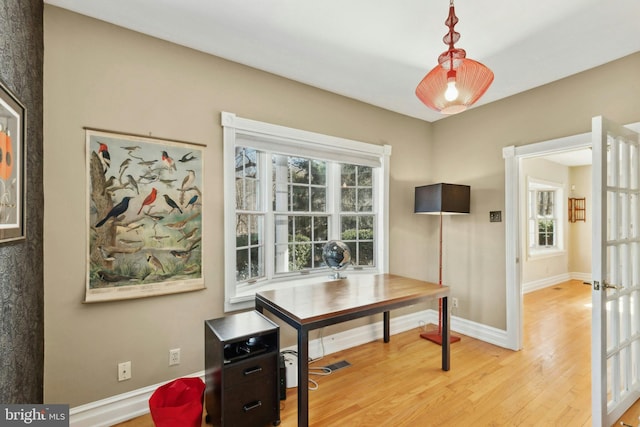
column 513, row 157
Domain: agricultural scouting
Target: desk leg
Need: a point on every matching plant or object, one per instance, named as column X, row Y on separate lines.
column 446, row 335
column 386, row 326
column 303, row 377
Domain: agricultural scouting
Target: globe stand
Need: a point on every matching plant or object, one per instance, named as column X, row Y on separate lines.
column 337, row 256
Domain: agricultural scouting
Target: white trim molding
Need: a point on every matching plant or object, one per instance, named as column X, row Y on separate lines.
column 271, row 138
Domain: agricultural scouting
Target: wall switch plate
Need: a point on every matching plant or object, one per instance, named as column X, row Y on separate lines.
column 495, row 216
column 124, row 371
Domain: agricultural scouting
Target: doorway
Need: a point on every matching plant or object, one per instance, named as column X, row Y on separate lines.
column 513, row 248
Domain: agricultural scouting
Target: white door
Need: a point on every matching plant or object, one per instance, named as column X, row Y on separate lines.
column 615, row 352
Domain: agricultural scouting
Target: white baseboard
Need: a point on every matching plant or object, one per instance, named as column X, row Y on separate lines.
column 554, row 280
column 585, row 277
column 545, row 283
column 115, row 409
column 123, row 407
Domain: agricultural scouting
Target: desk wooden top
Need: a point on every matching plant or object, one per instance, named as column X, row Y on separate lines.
column 356, row 293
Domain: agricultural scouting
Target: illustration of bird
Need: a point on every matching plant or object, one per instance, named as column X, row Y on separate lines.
column 131, row 148
column 109, row 182
column 106, row 255
column 116, row 211
column 187, row 158
column 112, row 277
column 191, row 201
column 171, row 203
column 147, row 162
column 148, row 178
column 104, row 156
column 183, row 254
column 155, row 218
column 154, row 262
column 188, row 180
column 194, row 268
column 151, row 197
column 132, row 181
column 168, row 161
column 188, row 235
column 187, row 183
column 181, row 224
column 124, row 166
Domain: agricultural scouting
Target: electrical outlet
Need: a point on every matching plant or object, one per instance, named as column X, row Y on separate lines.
column 124, row 371
column 454, row 302
column 174, row 356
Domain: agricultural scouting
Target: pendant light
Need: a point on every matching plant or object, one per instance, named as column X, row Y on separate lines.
column 457, row 82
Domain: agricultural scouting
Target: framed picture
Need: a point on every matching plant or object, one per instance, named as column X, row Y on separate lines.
column 144, row 216
column 12, row 166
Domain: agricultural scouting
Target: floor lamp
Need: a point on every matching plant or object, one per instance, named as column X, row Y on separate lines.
column 441, row 199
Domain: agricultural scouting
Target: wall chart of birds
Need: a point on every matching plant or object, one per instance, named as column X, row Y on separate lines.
column 144, row 216
column 12, row 131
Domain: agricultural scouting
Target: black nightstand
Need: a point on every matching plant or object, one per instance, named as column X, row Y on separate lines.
column 241, row 354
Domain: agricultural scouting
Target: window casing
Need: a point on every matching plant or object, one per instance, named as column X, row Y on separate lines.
column 546, row 217
column 293, row 191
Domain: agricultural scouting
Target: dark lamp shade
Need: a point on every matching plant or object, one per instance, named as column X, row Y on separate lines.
column 442, row 198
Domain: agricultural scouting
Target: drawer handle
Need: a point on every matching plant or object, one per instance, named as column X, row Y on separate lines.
column 253, row 405
column 252, row 370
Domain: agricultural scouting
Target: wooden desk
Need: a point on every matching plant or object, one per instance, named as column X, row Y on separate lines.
column 314, row 306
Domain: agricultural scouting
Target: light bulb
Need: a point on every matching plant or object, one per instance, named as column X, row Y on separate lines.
column 452, row 91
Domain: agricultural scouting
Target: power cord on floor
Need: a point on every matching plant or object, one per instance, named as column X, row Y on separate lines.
column 320, row 371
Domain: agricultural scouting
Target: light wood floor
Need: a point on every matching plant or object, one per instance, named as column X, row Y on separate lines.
column 401, row 384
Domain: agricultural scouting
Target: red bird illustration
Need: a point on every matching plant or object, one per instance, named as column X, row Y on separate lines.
column 149, row 199
column 104, row 156
column 168, row 161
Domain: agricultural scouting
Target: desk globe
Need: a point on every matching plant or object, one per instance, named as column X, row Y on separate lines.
column 337, row 256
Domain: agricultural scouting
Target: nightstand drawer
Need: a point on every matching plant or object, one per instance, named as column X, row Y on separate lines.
column 251, row 404
column 252, row 369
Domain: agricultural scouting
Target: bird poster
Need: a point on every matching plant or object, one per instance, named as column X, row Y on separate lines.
column 144, row 216
column 12, row 147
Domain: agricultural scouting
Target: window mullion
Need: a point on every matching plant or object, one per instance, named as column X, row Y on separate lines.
column 267, row 208
column 333, row 200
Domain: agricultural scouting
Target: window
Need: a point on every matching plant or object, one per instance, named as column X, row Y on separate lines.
column 293, row 192
column 545, row 217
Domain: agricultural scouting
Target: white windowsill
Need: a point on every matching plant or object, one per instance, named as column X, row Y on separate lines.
column 536, row 254
column 246, row 299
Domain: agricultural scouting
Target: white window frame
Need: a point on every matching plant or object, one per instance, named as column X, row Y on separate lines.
column 238, row 131
column 560, row 215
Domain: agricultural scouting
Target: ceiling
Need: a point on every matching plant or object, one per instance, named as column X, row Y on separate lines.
column 377, row 51
column 580, row 157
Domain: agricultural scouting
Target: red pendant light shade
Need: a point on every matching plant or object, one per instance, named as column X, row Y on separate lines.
column 456, row 82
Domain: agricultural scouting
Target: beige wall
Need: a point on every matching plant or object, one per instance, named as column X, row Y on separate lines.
column 98, row 75
column 102, row 76
column 580, row 231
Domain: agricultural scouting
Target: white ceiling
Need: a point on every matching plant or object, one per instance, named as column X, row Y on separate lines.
column 377, row 51
column 572, row 158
